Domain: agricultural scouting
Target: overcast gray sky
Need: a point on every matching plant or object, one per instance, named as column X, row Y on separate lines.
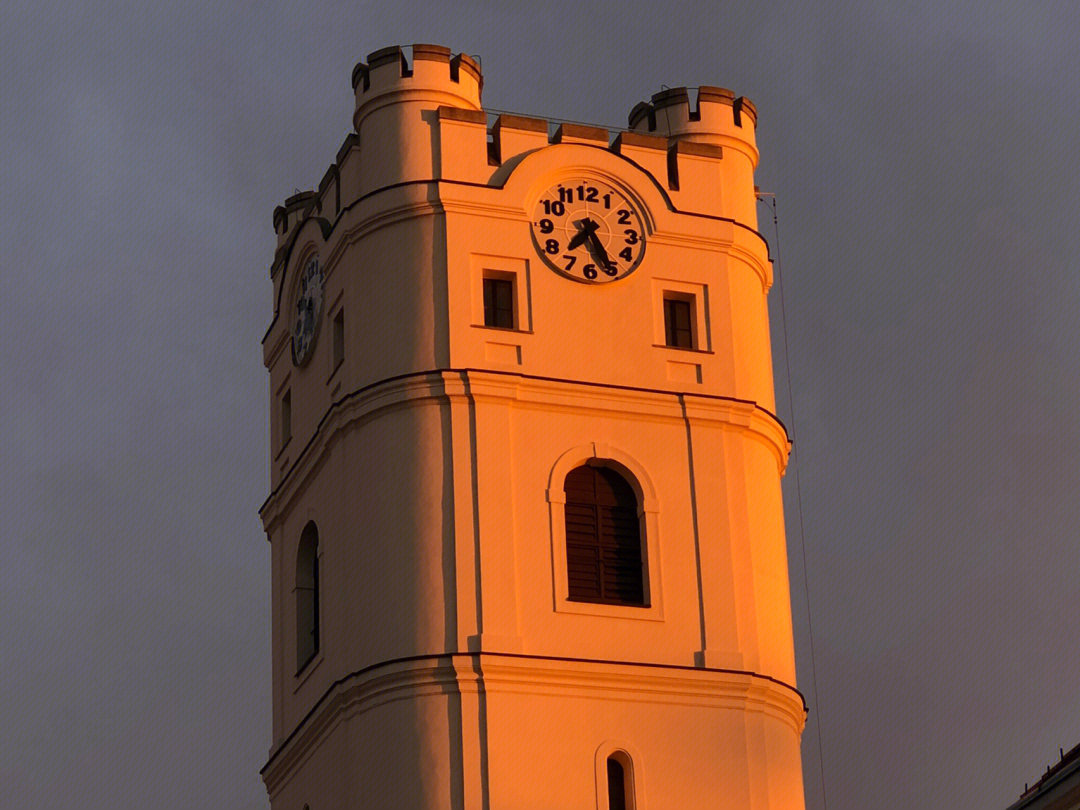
column 926, row 177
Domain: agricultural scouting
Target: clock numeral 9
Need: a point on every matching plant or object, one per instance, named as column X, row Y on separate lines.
column 552, row 246
column 546, row 225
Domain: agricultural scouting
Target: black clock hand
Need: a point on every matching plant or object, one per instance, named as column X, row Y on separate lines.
column 597, row 250
column 586, row 228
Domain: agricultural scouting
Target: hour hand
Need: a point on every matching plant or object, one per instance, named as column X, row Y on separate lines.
column 586, row 229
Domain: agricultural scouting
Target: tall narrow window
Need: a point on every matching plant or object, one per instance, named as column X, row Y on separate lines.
column 499, row 302
column 603, row 538
column 616, row 785
column 286, row 417
column 307, row 596
column 338, row 343
column 678, row 323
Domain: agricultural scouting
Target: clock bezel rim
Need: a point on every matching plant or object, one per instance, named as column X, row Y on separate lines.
column 310, row 255
column 580, row 173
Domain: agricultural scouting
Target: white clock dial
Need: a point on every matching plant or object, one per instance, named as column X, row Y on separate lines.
column 308, row 311
column 588, row 231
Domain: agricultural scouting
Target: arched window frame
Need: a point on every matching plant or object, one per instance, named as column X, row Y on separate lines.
column 605, row 455
column 306, row 596
column 634, row 785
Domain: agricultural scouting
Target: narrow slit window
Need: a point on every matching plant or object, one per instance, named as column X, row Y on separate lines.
column 307, row 596
column 286, row 417
column 339, row 338
column 679, row 323
column 619, row 792
column 499, row 302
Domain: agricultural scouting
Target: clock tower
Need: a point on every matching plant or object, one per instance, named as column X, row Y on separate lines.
column 525, row 515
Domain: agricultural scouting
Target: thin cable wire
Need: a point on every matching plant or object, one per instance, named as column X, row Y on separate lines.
column 771, row 203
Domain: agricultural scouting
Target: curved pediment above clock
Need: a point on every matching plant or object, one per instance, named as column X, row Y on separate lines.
column 309, row 237
column 530, row 175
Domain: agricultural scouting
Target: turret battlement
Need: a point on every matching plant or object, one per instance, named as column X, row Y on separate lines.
column 419, row 117
column 434, row 75
column 718, row 118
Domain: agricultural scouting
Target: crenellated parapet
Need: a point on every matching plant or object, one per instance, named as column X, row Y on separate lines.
column 420, row 119
column 434, row 75
column 718, row 117
column 711, row 145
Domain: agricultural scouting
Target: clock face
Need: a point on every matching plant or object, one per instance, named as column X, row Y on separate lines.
column 308, row 310
column 588, row 231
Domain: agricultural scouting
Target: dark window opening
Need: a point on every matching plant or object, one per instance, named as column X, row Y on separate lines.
column 678, row 323
column 603, row 538
column 307, row 596
column 616, row 785
column 339, row 338
column 286, row 417
column 499, row 303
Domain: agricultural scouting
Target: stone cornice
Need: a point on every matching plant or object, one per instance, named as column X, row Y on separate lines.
column 526, row 391
column 494, row 673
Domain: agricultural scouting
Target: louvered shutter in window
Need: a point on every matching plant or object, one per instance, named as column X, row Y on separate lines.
column 603, row 538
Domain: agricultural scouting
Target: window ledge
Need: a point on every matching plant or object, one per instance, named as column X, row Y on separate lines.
column 334, row 370
column 647, row 613
column 682, row 349
column 503, row 329
column 305, row 671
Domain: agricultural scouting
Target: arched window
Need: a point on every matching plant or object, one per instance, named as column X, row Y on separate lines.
column 620, row 786
column 603, row 538
column 307, row 596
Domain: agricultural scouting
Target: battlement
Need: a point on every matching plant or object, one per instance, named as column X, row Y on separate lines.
column 717, row 116
column 435, row 73
column 419, row 116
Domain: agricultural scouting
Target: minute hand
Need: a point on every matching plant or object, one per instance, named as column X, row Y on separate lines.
column 597, row 249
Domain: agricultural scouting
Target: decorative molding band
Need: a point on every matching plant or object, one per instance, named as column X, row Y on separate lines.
column 493, row 673
column 525, row 391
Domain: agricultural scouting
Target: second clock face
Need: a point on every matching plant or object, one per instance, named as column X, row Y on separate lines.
column 308, row 310
column 588, row 231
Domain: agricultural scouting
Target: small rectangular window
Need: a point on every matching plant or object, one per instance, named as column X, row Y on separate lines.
column 679, row 323
column 286, row 417
column 499, row 302
column 338, row 343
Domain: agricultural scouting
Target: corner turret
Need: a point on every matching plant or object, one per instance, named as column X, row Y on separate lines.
column 711, row 147
column 396, row 109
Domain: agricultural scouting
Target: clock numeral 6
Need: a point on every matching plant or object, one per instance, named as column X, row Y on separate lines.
column 589, row 270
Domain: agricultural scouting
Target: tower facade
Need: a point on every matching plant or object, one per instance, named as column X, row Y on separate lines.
column 525, row 514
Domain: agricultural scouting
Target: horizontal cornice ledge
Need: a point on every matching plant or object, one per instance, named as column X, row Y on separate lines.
column 741, row 414
column 494, row 673
column 571, row 395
